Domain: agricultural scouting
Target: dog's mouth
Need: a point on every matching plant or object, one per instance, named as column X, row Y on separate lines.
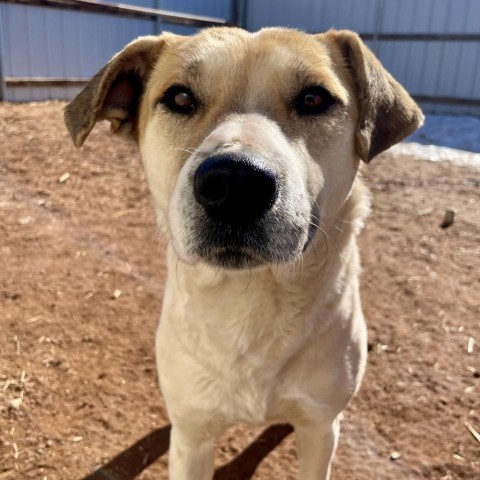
column 268, row 241
column 312, row 230
column 234, row 258
column 237, row 258
column 233, row 246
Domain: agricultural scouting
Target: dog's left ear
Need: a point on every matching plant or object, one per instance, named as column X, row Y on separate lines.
column 386, row 112
column 114, row 93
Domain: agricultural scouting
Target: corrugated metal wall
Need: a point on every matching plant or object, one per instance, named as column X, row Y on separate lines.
column 58, row 43
column 48, row 42
column 440, row 68
column 214, row 8
column 312, row 15
column 434, row 68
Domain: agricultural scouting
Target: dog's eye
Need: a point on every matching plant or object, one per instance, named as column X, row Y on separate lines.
column 179, row 99
column 313, row 101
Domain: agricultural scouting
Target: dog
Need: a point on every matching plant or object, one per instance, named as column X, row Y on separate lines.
column 251, row 144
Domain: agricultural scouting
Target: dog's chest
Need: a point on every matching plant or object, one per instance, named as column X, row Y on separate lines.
column 235, row 350
column 246, row 385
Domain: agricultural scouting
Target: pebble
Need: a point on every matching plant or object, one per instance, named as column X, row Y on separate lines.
column 15, row 403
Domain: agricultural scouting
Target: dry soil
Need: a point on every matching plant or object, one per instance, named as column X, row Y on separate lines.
column 81, row 284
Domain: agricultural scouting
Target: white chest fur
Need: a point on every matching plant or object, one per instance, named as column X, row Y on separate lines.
column 257, row 346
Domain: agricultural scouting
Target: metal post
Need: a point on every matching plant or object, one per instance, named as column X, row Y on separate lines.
column 158, row 21
column 3, row 85
column 235, row 13
column 379, row 10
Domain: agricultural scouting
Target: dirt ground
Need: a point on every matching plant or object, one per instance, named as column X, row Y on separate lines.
column 81, row 284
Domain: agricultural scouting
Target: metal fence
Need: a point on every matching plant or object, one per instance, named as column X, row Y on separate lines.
column 431, row 46
column 52, row 47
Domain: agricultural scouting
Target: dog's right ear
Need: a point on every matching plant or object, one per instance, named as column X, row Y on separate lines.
column 114, row 93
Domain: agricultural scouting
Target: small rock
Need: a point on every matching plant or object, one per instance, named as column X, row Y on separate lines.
column 395, row 456
column 64, row 177
column 25, row 220
column 52, row 362
column 471, row 343
column 15, row 403
column 448, row 219
column 116, row 293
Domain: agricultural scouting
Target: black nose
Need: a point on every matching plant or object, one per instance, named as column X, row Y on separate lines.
column 235, row 188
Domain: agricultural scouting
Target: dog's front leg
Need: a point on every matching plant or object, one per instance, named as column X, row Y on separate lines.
column 316, row 444
column 191, row 454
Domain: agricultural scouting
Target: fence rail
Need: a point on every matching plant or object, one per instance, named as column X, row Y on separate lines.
column 97, row 6
column 467, row 102
column 423, row 37
column 45, row 82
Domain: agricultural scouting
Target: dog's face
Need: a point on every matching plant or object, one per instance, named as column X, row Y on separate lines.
column 243, row 140
column 250, row 141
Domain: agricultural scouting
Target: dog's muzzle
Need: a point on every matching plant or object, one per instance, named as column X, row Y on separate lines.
column 235, row 189
column 242, row 211
column 236, row 193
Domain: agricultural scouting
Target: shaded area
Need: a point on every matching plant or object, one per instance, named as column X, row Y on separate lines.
column 131, row 462
column 243, row 467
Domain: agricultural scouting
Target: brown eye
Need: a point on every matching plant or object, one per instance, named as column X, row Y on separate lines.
column 313, row 101
column 183, row 100
column 179, row 99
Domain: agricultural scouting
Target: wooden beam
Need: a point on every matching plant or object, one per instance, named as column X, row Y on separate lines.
column 423, row 37
column 469, row 102
column 3, row 85
column 99, row 6
column 45, row 82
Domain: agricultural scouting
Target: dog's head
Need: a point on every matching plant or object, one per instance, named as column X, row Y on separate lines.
column 250, row 141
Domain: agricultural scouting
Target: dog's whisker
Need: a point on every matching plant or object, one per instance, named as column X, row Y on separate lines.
column 188, row 150
column 315, row 254
column 215, row 273
column 276, row 271
column 328, row 239
column 154, row 240
column 248, row 283
column 144, row 180
column 176, row 272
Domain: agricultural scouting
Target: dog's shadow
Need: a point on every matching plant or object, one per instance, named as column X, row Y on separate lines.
column 132, row 461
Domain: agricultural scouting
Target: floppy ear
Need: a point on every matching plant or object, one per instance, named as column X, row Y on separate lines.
column 386, row 112
column 114, row 93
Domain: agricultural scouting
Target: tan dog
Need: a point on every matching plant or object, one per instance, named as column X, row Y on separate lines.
column 251, row 144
